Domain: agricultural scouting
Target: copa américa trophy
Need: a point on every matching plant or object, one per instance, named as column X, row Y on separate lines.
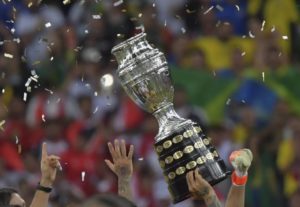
column 180, row 144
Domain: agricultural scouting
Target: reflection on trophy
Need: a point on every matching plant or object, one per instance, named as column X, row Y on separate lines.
column 180, row 144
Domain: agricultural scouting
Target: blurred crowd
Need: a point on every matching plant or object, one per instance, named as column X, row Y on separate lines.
column 58, row 86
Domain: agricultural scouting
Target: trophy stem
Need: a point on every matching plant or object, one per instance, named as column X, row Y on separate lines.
column 168, row 121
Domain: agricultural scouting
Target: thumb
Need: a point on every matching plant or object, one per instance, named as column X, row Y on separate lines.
column 110, row 165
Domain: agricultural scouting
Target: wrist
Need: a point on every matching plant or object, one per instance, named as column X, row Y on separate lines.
column 46, row 183
column 239, row 179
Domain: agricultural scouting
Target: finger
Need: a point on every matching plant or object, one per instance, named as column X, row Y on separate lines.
column 53, row 157
column 189, row 180
column 123, row 148
column 111, row 150
column 198, row 177
column 110, row 165
column 44, row 151
column 54, row 163
column 130, row 153
column 117, row 148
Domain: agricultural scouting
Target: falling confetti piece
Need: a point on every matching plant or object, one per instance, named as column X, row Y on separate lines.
column 279, row 54
column 118, row 3
column 141, row 159
column 228, row 101
column 153, row 5
column 58, row 100
column 65, row 2
column 183, row 30
column 96, row 16
column 51, row 58
column 86, row 31
column 17, row 40
column 95, row 111
column 243, row 54
column 28, row 82
column 243, row 101
column 1, row 124
column 24, row 96
column 140, row 15
column 29, row 4
column 273, row 29
column 263, row 25
column 219, row 8
column 120, row 35
column 28, row 89
column 43, row 118
column 13, row 30
column 95, row 93
column 190, row 11
column 82, row 176
column 251, row 35
column 3, row 90
column 51, row 92
column 208, row 10
column 285, row 37
column 263, row 76
column 165, row 24
column 17, row 140
column 237, row 7
column 8, row 55
column 48, row 24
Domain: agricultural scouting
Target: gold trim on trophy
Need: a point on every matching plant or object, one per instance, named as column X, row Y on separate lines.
column 167, row 144
column 197, row 129
column 188, row 149
column 200, row 161
column 209, row 156
column 188, row 133
column 159, row 149
column 180, row 170
column 206, row 141
column 171, row 175
column 177, row 139
column 191, row 165
column 177, row 155
column 162, row 164
column 198, row 144
column 169, row 159
column 215, row 153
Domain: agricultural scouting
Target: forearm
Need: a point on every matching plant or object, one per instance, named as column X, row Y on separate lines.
column 40, row 199
column 211, row 200
column 236, row 196
column 124, row 188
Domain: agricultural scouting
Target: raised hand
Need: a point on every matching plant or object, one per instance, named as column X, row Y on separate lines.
column 201, row 189
column 241, row 161
column 122, row 163
column 49, row 166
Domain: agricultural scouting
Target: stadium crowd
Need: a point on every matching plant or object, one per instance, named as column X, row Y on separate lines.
column 59, row 86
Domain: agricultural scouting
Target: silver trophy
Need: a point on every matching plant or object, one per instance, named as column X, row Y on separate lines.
column 180, row 144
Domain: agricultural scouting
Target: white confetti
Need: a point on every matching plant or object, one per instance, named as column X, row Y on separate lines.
column 263, row 76
column 243, row 54
column 8, row 55
column 28, row 82
column 86, row 31
column 237, row 7
column 28, row 89
column 183, row 30
column 3, row 90
column 165, row 24
column 208, row 10
column 228, row 101
column 141, row 159
column 58, row 100
column 65, row 2
column 51, row 58
column 118, row 3
column 96, row 16
column 243, row 101
column 82, row 176
column 17, row 40
column 48, row 24
column 95, row 111
column 43, row 118
column 1, row 124
column 17, row 140
column 285, row 37
column 273, row 28
column 153, row 5
column 219, row 8
column 51, row 92
column 263, row 25
column 95, row 93
column 12, row 30
column 24, row 96
column 251, row 35
column 140, row 15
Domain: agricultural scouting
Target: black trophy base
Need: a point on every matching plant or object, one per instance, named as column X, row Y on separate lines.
column 186, row 150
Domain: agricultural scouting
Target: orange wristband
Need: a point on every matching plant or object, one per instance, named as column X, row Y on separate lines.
column 236, row 180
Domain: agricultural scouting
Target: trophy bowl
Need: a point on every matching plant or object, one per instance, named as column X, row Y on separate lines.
column 180, row 144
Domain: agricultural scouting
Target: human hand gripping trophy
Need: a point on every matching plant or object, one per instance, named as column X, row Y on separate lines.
column 180, row 144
